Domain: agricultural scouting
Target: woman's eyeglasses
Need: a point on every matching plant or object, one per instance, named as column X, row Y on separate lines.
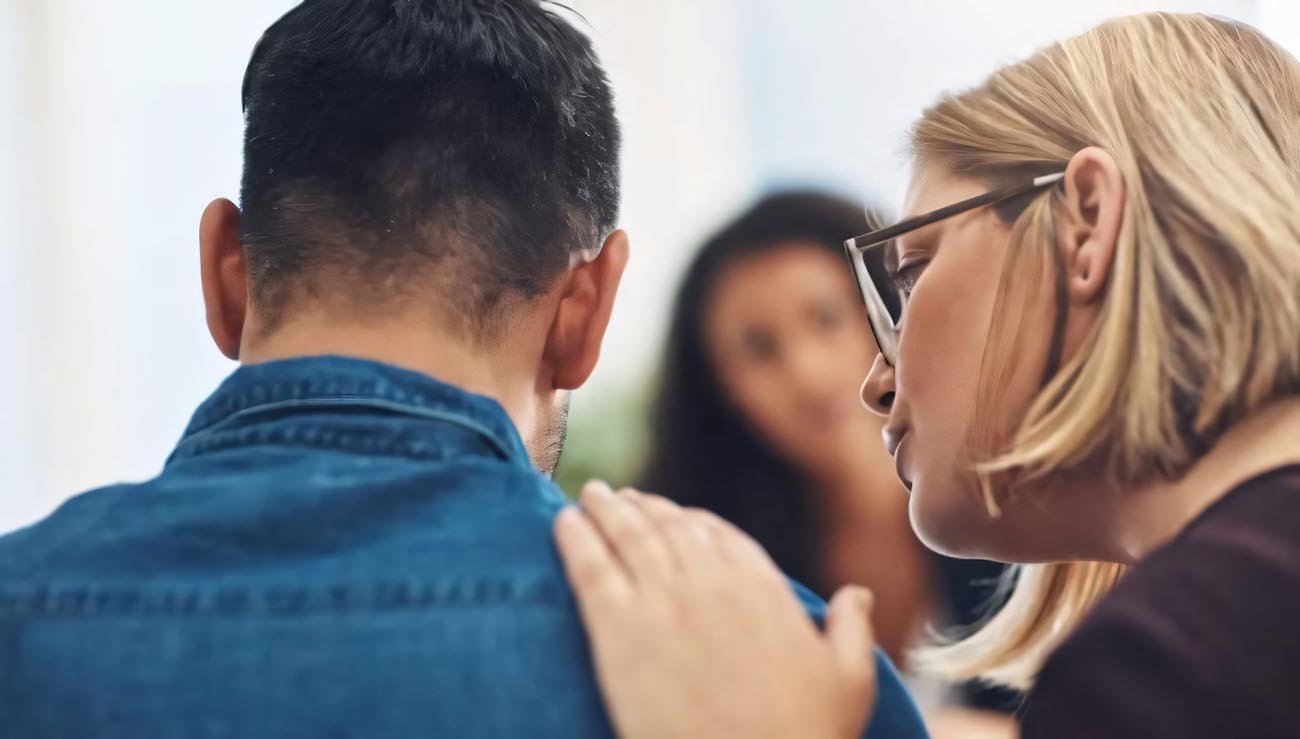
column 874, row 260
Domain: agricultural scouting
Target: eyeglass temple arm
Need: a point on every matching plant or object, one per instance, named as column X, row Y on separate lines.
column 925, row 219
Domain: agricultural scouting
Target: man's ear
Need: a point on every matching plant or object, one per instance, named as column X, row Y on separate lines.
column 1089, row 232
column 225, row 279
column 586, row 299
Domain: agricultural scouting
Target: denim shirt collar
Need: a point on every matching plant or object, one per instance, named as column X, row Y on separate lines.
column 334, row 381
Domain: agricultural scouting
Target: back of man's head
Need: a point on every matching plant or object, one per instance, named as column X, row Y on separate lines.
column 453, row 152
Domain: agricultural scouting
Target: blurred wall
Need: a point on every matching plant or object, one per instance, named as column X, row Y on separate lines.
column 13, row 234
column 121, row 120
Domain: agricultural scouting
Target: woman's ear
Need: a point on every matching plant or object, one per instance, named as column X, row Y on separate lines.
column 225, row 279
column 586, row 301
column 1094, row 215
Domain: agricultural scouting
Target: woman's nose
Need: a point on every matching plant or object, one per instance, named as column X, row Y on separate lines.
column 878, row 388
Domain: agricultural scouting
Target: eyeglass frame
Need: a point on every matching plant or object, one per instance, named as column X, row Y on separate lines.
column 856, row 247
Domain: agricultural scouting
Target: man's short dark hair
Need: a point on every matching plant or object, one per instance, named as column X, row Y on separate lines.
column 453, row 150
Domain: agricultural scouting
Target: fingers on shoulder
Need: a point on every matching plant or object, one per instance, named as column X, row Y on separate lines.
column 594, row 571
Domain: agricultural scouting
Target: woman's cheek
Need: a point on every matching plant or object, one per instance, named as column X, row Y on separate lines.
column 758, row 397
column 937, row 381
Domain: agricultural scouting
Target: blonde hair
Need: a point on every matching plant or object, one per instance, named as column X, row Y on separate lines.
column 1201, row 322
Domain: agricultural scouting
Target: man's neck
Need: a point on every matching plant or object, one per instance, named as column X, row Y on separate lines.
column 499, row 372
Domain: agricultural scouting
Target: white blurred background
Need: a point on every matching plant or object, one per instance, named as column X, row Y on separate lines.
column 120, row 120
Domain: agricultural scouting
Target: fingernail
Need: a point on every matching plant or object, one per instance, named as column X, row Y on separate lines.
column 597, row 487
column 567, row 516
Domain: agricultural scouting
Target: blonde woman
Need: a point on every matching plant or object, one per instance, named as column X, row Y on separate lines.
column 1090, row 366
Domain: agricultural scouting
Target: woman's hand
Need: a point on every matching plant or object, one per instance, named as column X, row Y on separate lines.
column 696, row 633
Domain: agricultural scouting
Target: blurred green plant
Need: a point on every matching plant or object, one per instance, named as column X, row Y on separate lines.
column 608, row 438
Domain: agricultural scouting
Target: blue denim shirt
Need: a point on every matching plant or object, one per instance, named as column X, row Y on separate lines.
column 336, row 548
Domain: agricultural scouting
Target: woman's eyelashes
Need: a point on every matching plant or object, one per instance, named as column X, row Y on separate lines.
column 905, row 276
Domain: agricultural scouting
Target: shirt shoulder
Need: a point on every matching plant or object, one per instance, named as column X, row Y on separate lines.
column 1197, row 640
column 896, row 715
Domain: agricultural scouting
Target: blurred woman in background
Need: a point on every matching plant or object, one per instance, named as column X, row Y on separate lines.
column 757, row 417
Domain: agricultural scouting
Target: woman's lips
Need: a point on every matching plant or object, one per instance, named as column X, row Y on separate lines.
column 900, row 458
column 895, row 437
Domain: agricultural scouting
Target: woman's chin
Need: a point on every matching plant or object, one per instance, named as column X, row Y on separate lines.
column 952, row 523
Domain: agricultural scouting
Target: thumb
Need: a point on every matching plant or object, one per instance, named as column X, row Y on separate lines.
column 849, row 632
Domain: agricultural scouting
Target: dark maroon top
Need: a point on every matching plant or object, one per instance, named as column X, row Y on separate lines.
column 1201, row 639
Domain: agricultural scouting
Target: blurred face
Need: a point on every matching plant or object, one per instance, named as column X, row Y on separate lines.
column 789, row 341
column 954, row 269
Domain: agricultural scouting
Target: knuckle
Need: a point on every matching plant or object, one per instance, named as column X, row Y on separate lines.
column 641, row 544
column 661, row 507
column 621, row 528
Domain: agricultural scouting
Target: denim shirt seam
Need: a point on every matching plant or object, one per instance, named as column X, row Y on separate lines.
column 196, row 437
column 278, row 601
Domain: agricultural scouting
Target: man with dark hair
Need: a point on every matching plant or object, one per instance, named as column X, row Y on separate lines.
column 342, row 545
